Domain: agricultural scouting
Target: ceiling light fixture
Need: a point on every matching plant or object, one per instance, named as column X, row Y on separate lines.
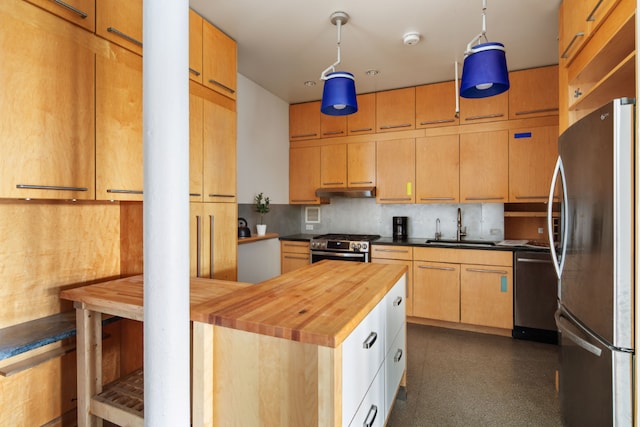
column 484, row 71
column 339, row 93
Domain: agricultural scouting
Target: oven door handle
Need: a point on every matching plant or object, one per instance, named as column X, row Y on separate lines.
column 340, row 254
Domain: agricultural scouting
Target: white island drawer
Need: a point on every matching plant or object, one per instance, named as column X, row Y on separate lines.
column 371, row 412
column 362, row 354
column 396, row 302
column 395, row 364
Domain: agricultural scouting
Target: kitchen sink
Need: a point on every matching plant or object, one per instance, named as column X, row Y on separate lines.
column 446, row 242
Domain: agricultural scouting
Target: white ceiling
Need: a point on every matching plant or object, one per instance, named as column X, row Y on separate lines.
column 283, row 43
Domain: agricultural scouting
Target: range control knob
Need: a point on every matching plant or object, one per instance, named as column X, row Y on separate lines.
column 364, row 247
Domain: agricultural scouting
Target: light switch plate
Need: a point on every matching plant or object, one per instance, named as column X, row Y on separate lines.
column 309, row 227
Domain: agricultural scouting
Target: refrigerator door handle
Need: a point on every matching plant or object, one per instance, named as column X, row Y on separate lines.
column 558, row 265
column 565, row 328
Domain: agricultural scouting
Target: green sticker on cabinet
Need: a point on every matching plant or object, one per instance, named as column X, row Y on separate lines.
column 503, row 284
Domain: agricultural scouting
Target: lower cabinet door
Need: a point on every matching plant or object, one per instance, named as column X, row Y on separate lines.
column 363, row 352
column 371, row 412
column 395, row 364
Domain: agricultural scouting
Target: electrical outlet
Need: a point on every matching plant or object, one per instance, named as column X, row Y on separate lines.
column 309, row 227
column 540, row 230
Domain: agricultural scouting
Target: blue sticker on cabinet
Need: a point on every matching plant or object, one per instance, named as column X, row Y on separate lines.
column 522, row 135
column 503, row 284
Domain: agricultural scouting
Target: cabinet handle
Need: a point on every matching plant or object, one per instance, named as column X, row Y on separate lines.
column 565, row 54
column 394, row 199
column 124, row 36
column 486, row 116
column 437, row 198
column 371, row 339
column 403, row 125
column 361, row 130
column 75, row 10
column 361, row 182
column 391, row 250
column 433, row 122
column 225, row 87
column 592, row 15
column 304, row 245
column 398, row 356
column 484, row 198
column 333, row 183
column 304, row 135
column 199, row 244
column 194, row 72
column 541, row 110
column 531, row 197
column 222, row 195
column 306, row 258
column 429, row 267
column 211, row 246
column 115, row 190
column 476, row 270
column 195, row 194
column 371, row 416
column 397, row 301
column 50, row 187
column 303, row 200
column 335, row 132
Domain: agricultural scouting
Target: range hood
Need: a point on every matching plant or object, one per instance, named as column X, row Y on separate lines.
column 359, row 192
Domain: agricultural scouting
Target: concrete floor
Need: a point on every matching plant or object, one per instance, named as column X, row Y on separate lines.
column 458, row 378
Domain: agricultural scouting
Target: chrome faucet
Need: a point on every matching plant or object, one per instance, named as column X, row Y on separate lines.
column 460, row 233
column 438, row 233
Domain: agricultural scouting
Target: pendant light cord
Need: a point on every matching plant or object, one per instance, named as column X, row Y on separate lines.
column 477, row 38
column 332, row 67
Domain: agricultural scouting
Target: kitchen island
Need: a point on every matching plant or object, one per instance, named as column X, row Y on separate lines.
column 323, row 345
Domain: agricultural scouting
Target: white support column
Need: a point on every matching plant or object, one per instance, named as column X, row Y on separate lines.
column 166, row 212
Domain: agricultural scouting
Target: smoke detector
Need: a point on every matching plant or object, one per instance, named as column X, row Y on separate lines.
column 411, row 39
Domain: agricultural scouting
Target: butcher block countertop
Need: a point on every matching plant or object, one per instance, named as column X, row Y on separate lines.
column 317, row 304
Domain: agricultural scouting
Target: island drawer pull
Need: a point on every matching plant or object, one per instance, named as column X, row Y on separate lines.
column 75, row 10
column 398, row 356
column 477, row 270
column 225, row 87
column 50, row 187
column 299, row 245
column 430, row 267
column 371, row 416
column 397, row 301
column 124, row 36
column 394, row 199
column 115, row 190
column 371, row 339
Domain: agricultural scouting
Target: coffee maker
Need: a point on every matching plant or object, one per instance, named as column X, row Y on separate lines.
column 400, row 227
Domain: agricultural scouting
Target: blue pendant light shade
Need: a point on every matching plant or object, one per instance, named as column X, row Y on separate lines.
column 339, row 94
column 484, row 72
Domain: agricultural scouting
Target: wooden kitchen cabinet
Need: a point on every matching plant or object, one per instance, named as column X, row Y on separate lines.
column 573, row 26
column 401, row 255
column 120, row 21
column 532, row 157
column 436, row 105
column 438, row 171
column 481, row 110
column 293, row 255
column 333, row 166
column 196, row 163
column 119, row 147
column 304, row 175
column 195, row 46
column 395, row 170
column 213, row 240
column 396, row 109
column 364, row 120
column 332, row 126
column 80, row 12
column 304, row 121
column 219, row 60
column 484, row 167
column 436, row 291
column 486, row 295
column 533, row 92
column 46, row 108
column 361, row 164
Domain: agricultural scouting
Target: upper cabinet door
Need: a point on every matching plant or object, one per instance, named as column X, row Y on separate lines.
column 438, row 169
column 396, row 110
column 361, row 164
column 219, row 141
column 49, row 151
column 80, row 12
column 196, row 124
column 533, row 93
column 119, row 151
column 195, row 46
column 333, row 165
column 120, row 21
column 436, row 105
column 395, row 170
column 304, row 175
column 480, row 110
column 332, row 126
column 484, row 167
column 304, row 121
column 364, row 120
column 219, row 60
column 573, row 27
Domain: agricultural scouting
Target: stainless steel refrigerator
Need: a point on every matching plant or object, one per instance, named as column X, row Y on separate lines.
column 594, row 263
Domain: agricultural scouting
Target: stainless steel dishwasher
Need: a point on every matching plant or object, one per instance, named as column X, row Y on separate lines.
column 535, row 297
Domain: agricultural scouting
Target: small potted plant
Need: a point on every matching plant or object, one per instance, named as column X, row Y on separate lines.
column 262, row 207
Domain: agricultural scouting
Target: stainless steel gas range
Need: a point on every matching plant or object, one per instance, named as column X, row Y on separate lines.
column 342, row 247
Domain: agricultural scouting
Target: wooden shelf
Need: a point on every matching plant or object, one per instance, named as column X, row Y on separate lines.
column 122, row 401
column 242, row 240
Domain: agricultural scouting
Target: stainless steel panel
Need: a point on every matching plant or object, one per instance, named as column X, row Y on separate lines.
column 535, row 291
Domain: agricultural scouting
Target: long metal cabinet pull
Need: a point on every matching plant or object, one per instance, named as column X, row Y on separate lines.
column 199, row 245
column 477, row 270
column 437, row 198
column 304, row 135
column 217, row 83
column 333, row 183
column 403, row 251
column 75, row 10
column 430, row 267
column 487, row 116
column 433, row 122
column 394, row 199
column 335, row 132
column 371, row 416
column 360, row 182
column 194, row 72
column 303, row 200
column 403, row 125
column 115, row 190
column 222, row 195
column 195, row 194
column 361, row 130
column 592, row 15
column 50, row 187
column 565, row 54
column 212, row 246
column 371, row 339
column 531, row 197
column 542, row 110
column 534, row 261
column 124, row 36
column 484, row 198
column 296, row 257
